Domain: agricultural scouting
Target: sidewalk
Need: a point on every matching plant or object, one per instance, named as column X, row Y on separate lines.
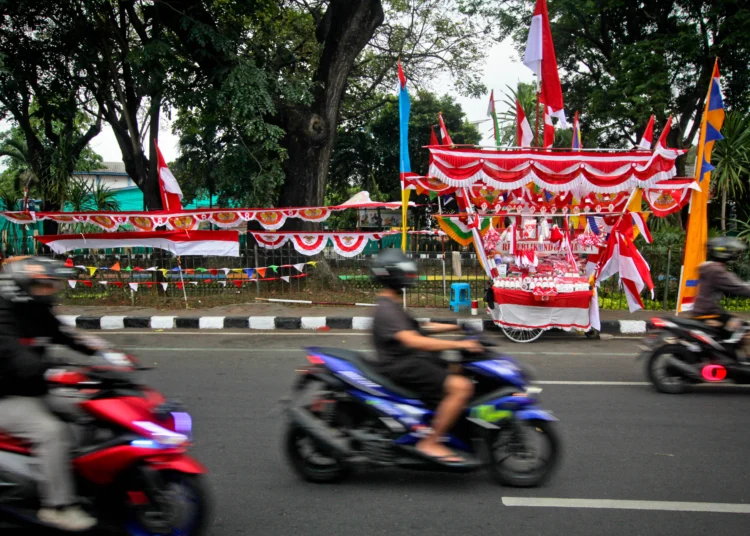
column 270, row 316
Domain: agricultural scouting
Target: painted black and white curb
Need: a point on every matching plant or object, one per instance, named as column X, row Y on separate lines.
column 267, row 323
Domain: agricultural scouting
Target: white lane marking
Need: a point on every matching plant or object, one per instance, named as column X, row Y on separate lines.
column 667, row 506
column 582, row 382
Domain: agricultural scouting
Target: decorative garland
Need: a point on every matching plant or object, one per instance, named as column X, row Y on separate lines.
column 89, row 283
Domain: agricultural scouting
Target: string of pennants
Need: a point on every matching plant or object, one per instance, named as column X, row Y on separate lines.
column 250, row 272
column 72, row 283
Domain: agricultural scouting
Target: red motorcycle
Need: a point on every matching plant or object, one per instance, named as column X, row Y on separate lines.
column 130, row 459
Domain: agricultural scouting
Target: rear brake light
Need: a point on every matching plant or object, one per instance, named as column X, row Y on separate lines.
column 315, row 360
column 658, row 323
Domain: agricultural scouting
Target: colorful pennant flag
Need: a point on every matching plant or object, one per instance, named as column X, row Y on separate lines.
column 647, row 140
column 133, row 286
column 300, row 267
column 524, row 135
column 72, row 283
column 576, row 134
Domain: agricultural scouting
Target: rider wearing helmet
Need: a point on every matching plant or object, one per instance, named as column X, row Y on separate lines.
column 28, row 288
column 407, row 357
column 715, row 281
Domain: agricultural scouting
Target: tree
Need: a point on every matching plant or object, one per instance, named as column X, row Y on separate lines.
column 731, row 157
column 622, row 62
column 41, row 90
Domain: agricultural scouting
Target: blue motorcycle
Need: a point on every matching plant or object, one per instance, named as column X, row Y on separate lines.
column 344, row 416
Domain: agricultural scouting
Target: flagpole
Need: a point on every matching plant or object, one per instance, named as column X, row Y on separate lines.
column 536, row 133
column 182, row 282
column 442, row 245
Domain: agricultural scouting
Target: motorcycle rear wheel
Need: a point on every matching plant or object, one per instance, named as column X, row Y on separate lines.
column 505, row 450
column 187, row 491
column 661, row 376
column 310, row 461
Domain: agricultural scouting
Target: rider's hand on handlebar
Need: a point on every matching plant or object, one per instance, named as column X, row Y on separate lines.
column 472, row 345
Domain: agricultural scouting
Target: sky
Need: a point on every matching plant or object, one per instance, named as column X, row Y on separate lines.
column 502, row 68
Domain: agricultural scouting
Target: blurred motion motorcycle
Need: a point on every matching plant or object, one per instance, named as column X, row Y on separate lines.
column 130, row 458
column 344, row 415
column 681, row 352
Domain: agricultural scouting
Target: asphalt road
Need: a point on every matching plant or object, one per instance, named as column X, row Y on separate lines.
column 622, row 442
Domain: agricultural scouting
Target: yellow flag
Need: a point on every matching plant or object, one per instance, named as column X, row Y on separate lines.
column 636, row 202
column 92, row 270
column 404, row 210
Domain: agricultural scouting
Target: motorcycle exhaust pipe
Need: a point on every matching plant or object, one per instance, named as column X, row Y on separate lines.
column 323, row 434
column 686, row 369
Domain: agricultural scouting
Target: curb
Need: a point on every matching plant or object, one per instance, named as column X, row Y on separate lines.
column 287, row 323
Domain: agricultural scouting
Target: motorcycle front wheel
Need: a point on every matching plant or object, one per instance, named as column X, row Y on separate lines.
column 188, row 507
column 524, row 454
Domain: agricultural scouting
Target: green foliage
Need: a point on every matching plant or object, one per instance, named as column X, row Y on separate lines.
column 731, row 157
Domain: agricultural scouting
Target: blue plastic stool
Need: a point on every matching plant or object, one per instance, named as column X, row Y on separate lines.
column 460, row 295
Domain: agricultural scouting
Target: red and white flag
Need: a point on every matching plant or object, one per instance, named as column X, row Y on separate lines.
column 444, row 131
column 549, row 130
column 171, row 194
column 621, row 256
column 647, row 140
column 662, row 143
column 524, row 135
column 540, row 58
column 640, row 221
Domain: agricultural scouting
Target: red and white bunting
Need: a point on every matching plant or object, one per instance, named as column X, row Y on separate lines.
column 220, row 243
column 345, row 244
column 309, row 244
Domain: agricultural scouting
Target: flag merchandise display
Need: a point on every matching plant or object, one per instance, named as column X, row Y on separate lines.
column 524, row 135
column 540, row 58
column 697, row 230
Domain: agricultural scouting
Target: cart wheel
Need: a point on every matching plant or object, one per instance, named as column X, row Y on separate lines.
column 522, row 335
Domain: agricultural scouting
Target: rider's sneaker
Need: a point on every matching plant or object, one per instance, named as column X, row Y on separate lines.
column 71, row 518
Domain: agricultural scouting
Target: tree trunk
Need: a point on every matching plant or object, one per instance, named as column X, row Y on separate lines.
column 724, row 210
column 345, row 30
column 151, row 188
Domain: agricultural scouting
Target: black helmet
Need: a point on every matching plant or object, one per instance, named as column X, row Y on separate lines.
column 392, row 269
column 27, row 279
column 725, row 248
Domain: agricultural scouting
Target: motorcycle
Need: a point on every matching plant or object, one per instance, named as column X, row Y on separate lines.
column 345, row 416
column 130, row 457
column 680, row 353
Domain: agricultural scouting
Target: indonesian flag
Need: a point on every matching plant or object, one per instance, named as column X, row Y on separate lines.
column 549, row 130
column 624, row 258
column 540, row 58
column 444, row 131
column 662, row 143
column 524, row 136
column 220, row 243
column 171, row 194
column 639, row 219
column 493, row 115
column 647, row 140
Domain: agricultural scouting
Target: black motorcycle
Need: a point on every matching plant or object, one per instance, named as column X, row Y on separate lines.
column 681, row 353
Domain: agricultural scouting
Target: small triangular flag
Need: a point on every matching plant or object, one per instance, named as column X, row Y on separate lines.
column 223, row 283
column 285, row 278
column 69, row 263
column 176, row 269
column 87, row 283
column 179, row 285
column 92, row 270
column 164, row 286
column 103, row 283
column 81, row 266
column 128, row 269
column 226, row 270
column 72, row 283
column 133, row 286
column 250, row 272
column 237, row 270
column 261, row 271
column 274, row 268
column 433, row 195
column 137, row 269
column 193, row 282
column 116, row 266
column 312, row 263
column 237, row 282
column 152, row 269
column 163, row 271
column 300, row 266
column 213, row 271
column 118, row 284
column 201, row 270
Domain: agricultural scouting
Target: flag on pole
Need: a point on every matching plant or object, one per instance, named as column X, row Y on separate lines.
column 404, row 109
column 647, row 140
column 549, row 130
column 171, row 194
column 540, row 58
column 621, row 256
column 662, row 143
column 524, row 135
column 697, row 231
column 446, row 138
column 493, row 114
column 576, row 134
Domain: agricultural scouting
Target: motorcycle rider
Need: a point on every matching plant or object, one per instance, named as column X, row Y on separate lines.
column 403, row 353
column 715, row 280
column 28, row 287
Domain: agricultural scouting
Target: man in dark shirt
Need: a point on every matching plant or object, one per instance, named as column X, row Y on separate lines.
column 27, row 324
column 409, row 358
column 715, row 280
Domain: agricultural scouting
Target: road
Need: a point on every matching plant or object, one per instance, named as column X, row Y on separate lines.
column 622, row 442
